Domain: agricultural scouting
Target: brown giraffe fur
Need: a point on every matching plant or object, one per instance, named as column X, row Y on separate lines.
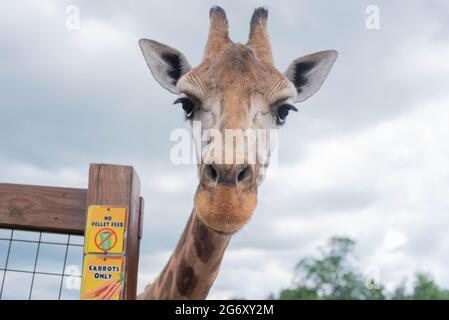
column 236, row 86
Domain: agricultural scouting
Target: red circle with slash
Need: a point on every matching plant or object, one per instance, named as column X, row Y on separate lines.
column 111, row 234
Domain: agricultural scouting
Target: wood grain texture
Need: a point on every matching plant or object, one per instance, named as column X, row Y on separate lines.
column 120, row 186
column 49, row 209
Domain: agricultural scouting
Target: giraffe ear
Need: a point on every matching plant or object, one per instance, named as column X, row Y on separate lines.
column 166, row 64
column 309, row 72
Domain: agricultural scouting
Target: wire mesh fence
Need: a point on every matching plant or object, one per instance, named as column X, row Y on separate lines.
column 40, row 265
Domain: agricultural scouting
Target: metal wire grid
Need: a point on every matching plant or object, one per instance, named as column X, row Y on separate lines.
column 33, row 273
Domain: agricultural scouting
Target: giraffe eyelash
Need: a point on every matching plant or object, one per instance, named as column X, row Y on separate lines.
column 188, row 106
column 281, row 112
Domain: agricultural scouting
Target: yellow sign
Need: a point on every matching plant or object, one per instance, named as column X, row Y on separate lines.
column 105, row 229
column 103, row 277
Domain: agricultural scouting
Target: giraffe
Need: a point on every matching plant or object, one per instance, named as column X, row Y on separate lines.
column 236, row 86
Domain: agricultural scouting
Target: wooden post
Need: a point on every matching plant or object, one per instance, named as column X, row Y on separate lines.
column 120, row 186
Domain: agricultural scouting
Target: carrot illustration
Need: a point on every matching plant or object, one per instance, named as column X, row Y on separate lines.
column 113, row 292
column 97, row 291
column 117, row 288
column 106, row 292
column 117, row 291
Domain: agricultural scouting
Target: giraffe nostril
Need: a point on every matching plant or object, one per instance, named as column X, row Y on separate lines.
column 245, row 173
column 211, row 172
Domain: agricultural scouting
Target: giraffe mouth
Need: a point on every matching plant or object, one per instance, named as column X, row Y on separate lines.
column 225, row 209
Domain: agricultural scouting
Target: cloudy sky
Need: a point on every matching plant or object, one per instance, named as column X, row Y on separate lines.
column 366, row 157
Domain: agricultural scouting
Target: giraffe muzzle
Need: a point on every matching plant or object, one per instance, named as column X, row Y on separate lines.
column 226, row 196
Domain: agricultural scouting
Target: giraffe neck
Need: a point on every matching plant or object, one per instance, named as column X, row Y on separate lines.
column 193, row 266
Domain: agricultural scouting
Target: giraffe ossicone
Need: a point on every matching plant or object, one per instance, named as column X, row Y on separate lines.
column 236, row 86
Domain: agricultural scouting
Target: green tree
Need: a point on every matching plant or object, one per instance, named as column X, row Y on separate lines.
column 424, row 288
column 332, row 276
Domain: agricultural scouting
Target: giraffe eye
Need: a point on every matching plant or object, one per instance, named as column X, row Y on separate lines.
column 281, row 112
column 187, row 105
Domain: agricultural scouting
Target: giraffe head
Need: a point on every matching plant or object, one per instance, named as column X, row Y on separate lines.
column 237, row 97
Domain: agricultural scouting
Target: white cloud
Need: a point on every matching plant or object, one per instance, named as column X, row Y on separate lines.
column 172, row 183
column 30, row 174
column 407, row 155
column 260, row 274
column 394, row 239
column 96, row 37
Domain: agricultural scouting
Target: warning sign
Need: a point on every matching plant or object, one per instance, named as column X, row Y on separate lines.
column 105, row 239
column 105, row 229
column 103, row 277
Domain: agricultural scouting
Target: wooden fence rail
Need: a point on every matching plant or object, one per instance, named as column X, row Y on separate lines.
column 43, row 208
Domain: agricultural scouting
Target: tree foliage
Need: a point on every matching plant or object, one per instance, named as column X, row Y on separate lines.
column 424, row 288
column 334, row 275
